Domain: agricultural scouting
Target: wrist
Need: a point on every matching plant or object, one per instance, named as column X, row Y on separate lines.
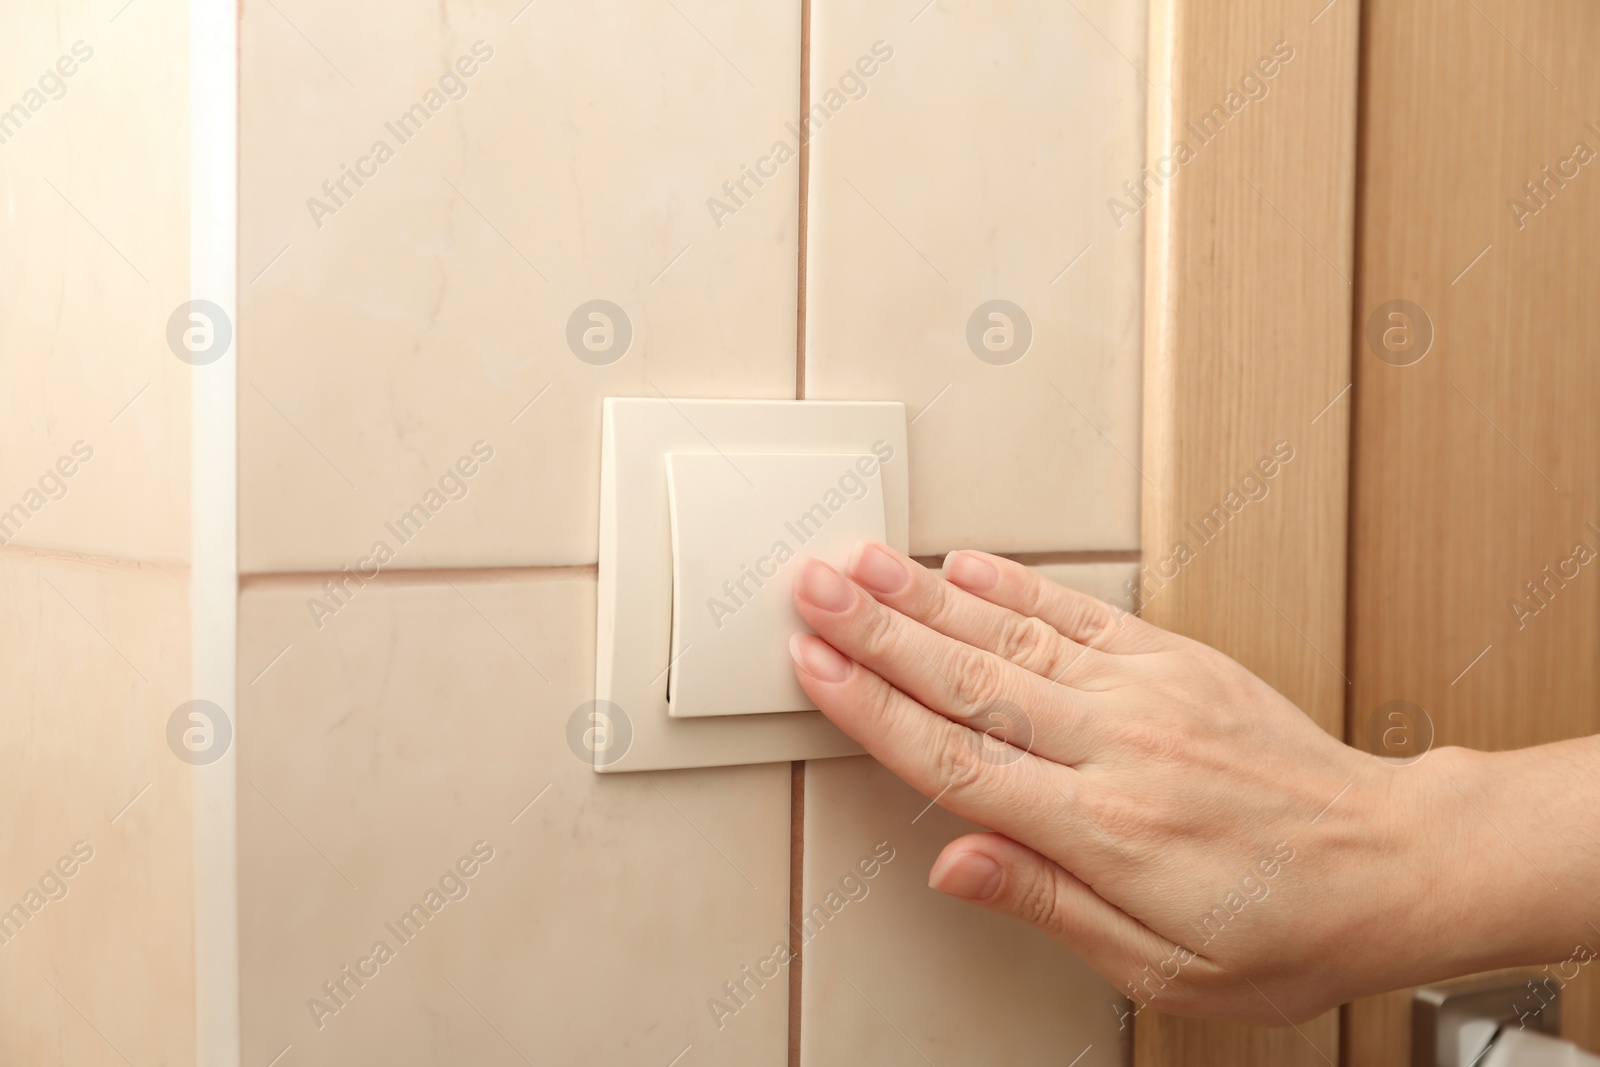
column 1459, row 872
column 1489, row 836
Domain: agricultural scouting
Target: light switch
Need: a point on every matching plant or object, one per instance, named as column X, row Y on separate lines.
column 741, row 524
column 745, row 476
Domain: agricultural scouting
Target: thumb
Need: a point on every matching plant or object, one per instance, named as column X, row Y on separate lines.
column 997, row 873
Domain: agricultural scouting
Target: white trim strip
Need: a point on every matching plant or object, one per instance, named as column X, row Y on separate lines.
column 213, row 496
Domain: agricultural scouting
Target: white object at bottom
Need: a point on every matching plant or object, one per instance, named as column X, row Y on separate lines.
column 1524, row 1048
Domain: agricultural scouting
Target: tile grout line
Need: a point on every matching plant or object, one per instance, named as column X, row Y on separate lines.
column 797, row 769
column 797, row 855
column 1045, row 559
column 421, row 575
column 539, row 571
column 804, row 200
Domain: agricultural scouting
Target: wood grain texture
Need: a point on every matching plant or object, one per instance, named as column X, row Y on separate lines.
column 1478, row 466
column 1248, row 297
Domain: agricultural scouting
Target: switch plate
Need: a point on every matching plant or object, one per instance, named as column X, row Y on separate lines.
column 741, row 524
column 635, row 608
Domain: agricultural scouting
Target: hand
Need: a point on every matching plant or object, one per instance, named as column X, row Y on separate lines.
column 1205, row 846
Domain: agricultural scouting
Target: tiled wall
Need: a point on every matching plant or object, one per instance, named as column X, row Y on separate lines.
column 95, row 221
column 425, row 724
column 96, row 907
column 976, row 168
column 433, row 200
column 387, row 326
column 646, row 155
column 96, row 851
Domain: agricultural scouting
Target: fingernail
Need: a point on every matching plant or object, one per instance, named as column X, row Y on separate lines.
column 968, row 875
column 823, row 586
column 817, row 658
column 877, row 570
column 971, row 572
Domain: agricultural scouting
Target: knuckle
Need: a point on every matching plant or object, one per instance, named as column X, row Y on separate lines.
column 875, row 630
column 879, row 701
column 1038, row 903
column 943, row 607
column 1089, row 620
column 975, row 679
column 1033, row 593
column 1084, row 618
column 1029, row 642
column 960, row 766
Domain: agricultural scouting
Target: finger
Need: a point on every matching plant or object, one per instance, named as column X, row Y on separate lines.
column 1078, row 616
column 944, row 761
column 970, row 685
column 1031, row 643
column 997, row 873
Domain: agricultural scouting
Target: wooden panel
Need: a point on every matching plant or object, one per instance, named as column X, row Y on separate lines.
column 1479, row 465
column 1249, row 254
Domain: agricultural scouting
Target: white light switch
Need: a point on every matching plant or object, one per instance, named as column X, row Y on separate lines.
column 747, row 475
column 741, row 524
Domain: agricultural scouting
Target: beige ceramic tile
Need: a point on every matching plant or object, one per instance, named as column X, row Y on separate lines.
column 94, row 161
column 96, row 876
column 422, row 720
column 896, row 973
column 964, row 152
column 556, row 154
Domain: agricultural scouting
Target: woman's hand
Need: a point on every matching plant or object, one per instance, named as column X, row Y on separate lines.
column 1182, row 826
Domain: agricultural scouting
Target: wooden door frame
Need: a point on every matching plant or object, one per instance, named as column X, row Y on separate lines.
column 1249, row 204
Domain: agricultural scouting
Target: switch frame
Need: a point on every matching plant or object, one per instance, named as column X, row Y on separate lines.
column 634, row 609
